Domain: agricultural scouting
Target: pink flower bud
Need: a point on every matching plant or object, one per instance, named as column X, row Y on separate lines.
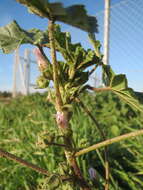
column 92, row 173
column 61, row 120
column 40, row 59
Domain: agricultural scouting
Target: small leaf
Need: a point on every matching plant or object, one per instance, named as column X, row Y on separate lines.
column 54, row 182
column 75, row 55
column 39, row 153
column 80, row 78
column 37, row 36
column 108, row 74
column 119, row 82
column 115, row 130
column 96, row 44
column 42, row 82
column 64, row 168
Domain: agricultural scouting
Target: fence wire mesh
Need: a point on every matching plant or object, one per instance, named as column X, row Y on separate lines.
column 126, row 40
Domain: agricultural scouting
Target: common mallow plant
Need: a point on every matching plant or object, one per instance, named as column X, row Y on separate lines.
column 69, row 79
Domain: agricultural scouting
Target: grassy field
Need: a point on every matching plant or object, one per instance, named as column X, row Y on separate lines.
column 24, row 119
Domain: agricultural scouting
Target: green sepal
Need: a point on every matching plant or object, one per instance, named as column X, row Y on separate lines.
column 107, row 74
column 80, row 79
column 46, row 138
column 96, row 44
column 47, row 73
column 90, row 59
column 54, row 182
column 42, row 82
column 64, row 169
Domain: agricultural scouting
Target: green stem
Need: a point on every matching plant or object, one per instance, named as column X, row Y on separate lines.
column 97, row 46
column 63, row 125
column 103, row 137
column 59, row 102
column 109, row 141
column 10, row 156
column 93, row 41
column 92, row 118
column 107, row 169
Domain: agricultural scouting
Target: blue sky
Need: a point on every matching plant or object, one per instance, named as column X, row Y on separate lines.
column 11, row 10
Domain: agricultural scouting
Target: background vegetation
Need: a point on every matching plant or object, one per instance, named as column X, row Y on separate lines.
column 25, row 119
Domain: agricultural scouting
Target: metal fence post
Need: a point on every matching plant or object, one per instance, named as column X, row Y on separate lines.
column 106, row 31
column 27, row 70
column 15, row 69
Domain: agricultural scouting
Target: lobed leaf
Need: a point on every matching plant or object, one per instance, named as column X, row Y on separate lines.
column 75, row 15
column 12, row 36
column 119, row 85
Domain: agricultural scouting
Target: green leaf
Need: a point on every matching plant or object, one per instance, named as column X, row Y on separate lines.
column 12, row 36
column 43, row 8
column 115, row 130
column 37, row 37
column 96, row 44
column 119, row 82
column 108, row 74
column 75, row 15
column 119, row 86
column 54, row 182
column 130, row 98
column 80, row 78
column 74, row 54
column 42, row 82
column 89, row 59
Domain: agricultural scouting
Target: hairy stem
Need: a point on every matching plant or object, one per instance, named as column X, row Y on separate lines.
column 103, row 136
column 92, row 118
column 107, row 169
column 98, row 89
column 59, row 102
column 109, row 141
column 63, row 116
column 10, row 156
column 23, row 162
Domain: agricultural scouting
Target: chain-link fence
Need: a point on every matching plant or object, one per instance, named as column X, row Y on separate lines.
column 126, row 40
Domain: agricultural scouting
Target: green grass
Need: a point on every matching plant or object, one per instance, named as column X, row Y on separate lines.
column 25, row 118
